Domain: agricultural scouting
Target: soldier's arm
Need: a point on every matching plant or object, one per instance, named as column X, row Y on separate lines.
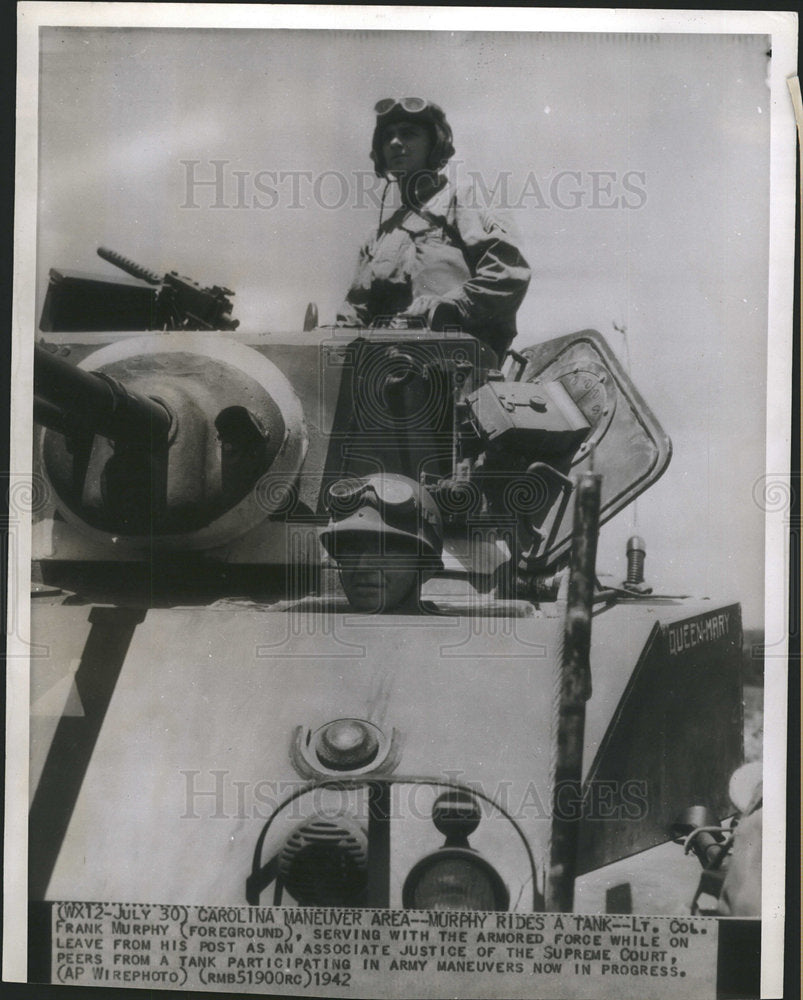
column 500, row 274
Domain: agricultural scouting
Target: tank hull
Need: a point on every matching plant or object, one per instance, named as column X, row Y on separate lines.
column 162, row 741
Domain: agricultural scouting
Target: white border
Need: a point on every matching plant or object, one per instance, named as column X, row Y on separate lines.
column 421, row 18
column 780, row 332
column 783, row 28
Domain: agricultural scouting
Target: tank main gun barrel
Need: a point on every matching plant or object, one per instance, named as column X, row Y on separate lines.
column 129, row 266
column 176, row 443
column 69, row 398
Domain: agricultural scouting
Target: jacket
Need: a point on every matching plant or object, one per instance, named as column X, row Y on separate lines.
column 463, row 255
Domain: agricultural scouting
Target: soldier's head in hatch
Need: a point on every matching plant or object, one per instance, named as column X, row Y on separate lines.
column 385, row 535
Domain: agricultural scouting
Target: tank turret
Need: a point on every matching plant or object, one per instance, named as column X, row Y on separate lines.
column 227, row 444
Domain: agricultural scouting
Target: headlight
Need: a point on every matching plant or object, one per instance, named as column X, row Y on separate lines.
column 454, row 878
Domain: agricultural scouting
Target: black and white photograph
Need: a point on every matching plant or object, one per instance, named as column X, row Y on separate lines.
column 401, row 416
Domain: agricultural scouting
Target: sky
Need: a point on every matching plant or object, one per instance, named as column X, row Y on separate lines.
column 634, row 167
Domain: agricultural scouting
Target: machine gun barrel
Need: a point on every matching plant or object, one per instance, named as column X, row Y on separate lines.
column 68, row 398
column 129, row 266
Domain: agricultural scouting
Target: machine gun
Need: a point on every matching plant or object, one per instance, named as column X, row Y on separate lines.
column 76, row 301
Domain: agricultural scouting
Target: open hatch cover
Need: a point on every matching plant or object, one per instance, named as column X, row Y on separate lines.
column 626, row 445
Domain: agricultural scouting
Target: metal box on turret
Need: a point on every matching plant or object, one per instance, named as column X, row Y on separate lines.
column 540, row 417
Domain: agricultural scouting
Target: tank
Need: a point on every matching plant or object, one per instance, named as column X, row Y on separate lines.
column 213, row 724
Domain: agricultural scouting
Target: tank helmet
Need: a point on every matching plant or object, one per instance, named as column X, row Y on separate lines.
column 388, row 505
column 420, row 111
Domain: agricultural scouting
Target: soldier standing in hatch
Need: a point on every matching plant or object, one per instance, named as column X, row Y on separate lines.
column 438, row 257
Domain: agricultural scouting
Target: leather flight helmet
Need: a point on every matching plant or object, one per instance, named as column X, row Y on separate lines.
column 414, row 109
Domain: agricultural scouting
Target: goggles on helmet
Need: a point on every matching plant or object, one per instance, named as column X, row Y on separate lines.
column 346, row 495
column 391, row 507
column 413, row 105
